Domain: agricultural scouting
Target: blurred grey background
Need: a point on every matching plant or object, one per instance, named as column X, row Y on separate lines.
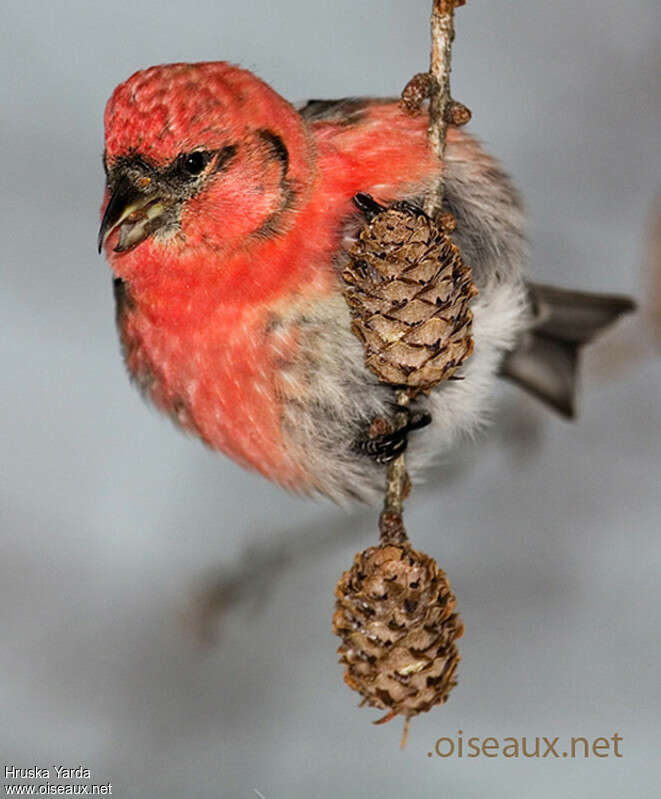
column 113, row 525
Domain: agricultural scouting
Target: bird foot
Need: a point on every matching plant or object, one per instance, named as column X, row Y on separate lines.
column 383, row 442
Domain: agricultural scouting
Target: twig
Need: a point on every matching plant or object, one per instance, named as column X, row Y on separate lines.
column 441, row 109
column 391, row 525
column 442, row 36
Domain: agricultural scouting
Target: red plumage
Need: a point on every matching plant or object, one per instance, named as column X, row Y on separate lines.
column 196, row 331
column 226, row 221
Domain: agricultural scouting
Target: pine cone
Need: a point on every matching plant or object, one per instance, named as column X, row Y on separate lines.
column 409, row 295
column 395, row 614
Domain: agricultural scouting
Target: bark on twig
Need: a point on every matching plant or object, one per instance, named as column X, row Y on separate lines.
column 441, row 109
column 391, row 525
column 442, row 36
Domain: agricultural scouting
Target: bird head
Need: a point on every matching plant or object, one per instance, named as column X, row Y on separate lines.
column 202, row 155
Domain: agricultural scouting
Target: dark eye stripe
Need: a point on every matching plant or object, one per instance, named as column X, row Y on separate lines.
column 225, row 156
column 278, row 147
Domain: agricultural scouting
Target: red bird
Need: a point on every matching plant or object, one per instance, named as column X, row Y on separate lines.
column 226, row 220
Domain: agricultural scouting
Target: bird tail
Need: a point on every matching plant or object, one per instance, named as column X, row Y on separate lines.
column 547, row 359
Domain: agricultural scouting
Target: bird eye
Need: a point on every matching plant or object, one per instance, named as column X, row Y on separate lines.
column 195, row 162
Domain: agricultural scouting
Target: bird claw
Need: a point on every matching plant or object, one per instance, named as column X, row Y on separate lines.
column 387, row 446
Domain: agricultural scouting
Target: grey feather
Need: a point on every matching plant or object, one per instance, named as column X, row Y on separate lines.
column 342, row 396
column 546, row 362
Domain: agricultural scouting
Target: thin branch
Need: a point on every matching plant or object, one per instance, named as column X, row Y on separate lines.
column 442, row 36
column 440, row 110
column 391, row 525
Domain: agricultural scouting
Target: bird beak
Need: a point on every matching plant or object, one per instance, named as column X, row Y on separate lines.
column 136, row 214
